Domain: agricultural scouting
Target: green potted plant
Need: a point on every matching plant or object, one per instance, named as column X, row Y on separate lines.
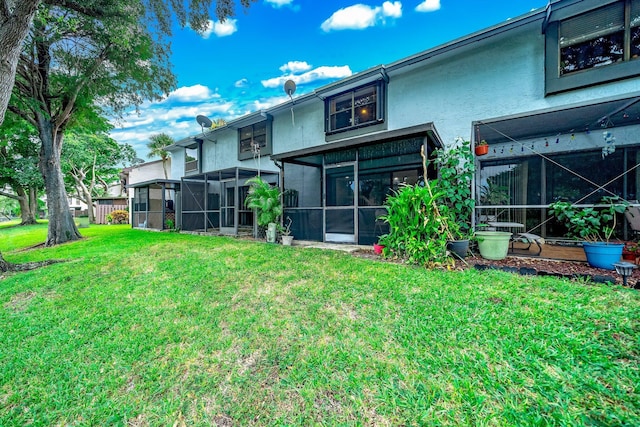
column 265, row 199
column 455, row 177
column 285, row 232
column 481, row 148
column 594, row 226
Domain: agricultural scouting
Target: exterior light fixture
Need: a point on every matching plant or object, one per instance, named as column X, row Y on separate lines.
column 625, row 269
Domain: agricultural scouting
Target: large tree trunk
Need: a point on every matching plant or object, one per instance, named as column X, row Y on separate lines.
column 26, row 211
column 61, row 226
column 14, row 27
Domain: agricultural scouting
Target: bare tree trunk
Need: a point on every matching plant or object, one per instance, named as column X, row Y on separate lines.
column 61, row 226
column 14, row 27
column 84, row 194
column 33, row 202
column 26, row 213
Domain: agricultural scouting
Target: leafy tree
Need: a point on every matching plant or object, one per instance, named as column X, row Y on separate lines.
column 16, row 17
column 91, row 162
column 19, row 174
column 73, row 59
column 157, row 148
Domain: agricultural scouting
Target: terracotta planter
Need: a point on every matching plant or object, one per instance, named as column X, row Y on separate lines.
column 481, row 150
column 629, row 256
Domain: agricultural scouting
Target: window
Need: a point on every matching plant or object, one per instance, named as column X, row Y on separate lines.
column 191, row 156
column 598, row 46
column 357, row 108
column 254, row 139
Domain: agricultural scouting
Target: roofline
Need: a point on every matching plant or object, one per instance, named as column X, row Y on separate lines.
column 381, row 71
column 424, row 129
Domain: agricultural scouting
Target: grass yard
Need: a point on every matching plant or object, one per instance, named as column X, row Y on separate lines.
column 163, row 329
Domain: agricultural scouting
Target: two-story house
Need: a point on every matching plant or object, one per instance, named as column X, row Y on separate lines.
column 555, row 93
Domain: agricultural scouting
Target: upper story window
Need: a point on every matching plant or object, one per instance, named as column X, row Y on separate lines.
column 363, row 106
column 191, row 157
column 254, row 140
column 598, row 46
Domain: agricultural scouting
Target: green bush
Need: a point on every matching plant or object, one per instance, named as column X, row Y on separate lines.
column 120, row 216
column 265, row 198
column 417, row 228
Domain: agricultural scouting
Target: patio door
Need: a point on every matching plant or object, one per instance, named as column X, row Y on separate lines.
column 228, row 207
column 340, row 210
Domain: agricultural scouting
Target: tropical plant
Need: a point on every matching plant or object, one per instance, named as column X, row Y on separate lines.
column 265, row 199
column 591, row 224
column 455, row 169
column 157, row 148
column 418, row 230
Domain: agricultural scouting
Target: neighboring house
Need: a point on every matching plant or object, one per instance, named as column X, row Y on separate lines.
column 152, row 197
column 552, row 92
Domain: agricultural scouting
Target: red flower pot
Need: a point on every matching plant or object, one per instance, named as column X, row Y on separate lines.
column 377, row 249
column 481, row 150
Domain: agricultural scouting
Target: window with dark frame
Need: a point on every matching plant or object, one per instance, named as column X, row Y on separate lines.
column 254, row 139
column 360, row 107
column 593, row 47
column 191, row 155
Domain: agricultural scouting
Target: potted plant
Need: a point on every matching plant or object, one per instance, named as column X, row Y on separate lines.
column 285, row 231
column 265, row 199
column 455, row 176
column 630, row 251
column 481, row 148
column 594, row 226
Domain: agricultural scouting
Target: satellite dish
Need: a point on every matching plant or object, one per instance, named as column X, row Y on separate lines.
column 290, row 87
column 203, row 121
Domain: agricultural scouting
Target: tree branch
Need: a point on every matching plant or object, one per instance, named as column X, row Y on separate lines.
column 11, row 196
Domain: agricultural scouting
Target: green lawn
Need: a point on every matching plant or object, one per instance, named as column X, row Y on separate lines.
column 163, row 329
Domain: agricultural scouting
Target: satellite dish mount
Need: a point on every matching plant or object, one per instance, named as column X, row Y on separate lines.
column 204, row 122
column 290, row 88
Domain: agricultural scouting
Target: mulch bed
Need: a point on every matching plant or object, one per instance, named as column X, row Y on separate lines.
column 535, row 266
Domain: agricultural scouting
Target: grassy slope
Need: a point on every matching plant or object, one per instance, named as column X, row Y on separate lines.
column 145, row 328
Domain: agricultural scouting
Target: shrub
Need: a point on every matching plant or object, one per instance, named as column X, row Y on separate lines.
column 418, row 231
column 120, row 216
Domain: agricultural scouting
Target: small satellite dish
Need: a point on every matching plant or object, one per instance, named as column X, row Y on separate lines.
column 290, row 87
column 204, row 121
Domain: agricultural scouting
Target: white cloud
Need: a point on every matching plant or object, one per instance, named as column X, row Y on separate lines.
column 242, row 83
column 279, row 3
column 320, row 73
column 428, row 6
column 295, row 67
column 392, row 10
column 192, row 94
column 360, row 16
column 221, row 29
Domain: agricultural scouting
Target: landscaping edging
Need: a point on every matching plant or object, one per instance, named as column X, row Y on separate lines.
column 530, row 271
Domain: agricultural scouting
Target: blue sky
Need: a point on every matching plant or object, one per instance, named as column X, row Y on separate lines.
column 240, row 66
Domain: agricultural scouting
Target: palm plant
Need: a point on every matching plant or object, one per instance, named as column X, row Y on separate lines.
column 265, row 199
column 157, row 148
